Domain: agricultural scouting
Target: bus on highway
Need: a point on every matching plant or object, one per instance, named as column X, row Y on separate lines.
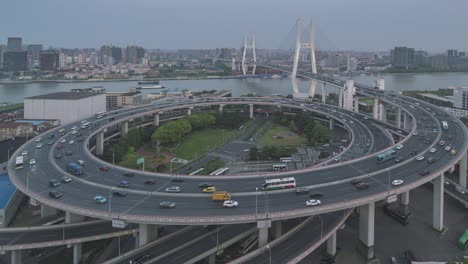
column 286, row 159
column 444, row 125
column 74, row 168
column 276, row 184
column 279, row 166
column 85, row 125
column 463, row 240
column 19, row 163
column 386, row 156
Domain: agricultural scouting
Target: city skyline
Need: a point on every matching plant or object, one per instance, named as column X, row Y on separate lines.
column 210, row 24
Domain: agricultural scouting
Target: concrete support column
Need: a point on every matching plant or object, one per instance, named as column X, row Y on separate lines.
column 156, row 120
column 375, row 109
column 147, row 233
column 189, row 110
column 124, row 129
column 47, row 211
column 221, row 107
column 331, row 245
column 212, row 259
column 16, row 257
column 324, row 96
column 332, row 124
column 438, row 204
column 356, row 104
column 383, row 113
column 263, row 227
column 77, row 253
column 404, row 201
column 462, row 172
column 100, row 143
column 398, row 118
column 71, row 218
column 405, row 121
column 277, row 229
column 251, row 111
column 366, row 229
column 340, row 98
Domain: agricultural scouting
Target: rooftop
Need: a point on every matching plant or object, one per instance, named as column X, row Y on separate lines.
column 7, row 189
column 65, row 95
column 436, row 97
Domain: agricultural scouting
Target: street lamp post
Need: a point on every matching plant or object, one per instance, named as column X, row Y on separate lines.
column 388, row 173
column 9, row 153
column 256, row 202
column 269, row 250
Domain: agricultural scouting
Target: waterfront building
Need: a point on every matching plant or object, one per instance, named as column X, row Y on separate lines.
column 15, row 61
column 460, row 98
column 34, row 50
column 15, row 44
column 402, row 57
column 49, row 60
column 2, row 50
column 120, row 99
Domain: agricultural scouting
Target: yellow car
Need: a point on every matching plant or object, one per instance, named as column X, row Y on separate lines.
column 209, row 189
column 453, row 152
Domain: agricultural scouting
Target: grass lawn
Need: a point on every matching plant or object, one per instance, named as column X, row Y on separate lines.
column 278, row 135
column 199, row 142
column 12, row 107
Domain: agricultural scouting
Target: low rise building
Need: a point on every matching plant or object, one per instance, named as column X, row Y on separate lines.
column 120, row 99
column 11, row 130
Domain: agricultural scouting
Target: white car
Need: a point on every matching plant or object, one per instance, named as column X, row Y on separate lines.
column 74, row 132
column 313, row 202
column 419, row 158
column 415, row 133
column 230, row 204
column 24, row 153
column 63, row 141
column 39, row 145
column 442, row 143
column 447, row 148
column 337, row 158
column 83, row 121
column 71, row 142
column 75, row 127
column 32, row 161
column 397, row 182
column 399, row 146
column 38, row 139
column 432, row 150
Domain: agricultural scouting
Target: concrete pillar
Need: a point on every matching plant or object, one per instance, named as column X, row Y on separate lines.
column 398, row 118
column 404, row 202
column 405, row 121
column 366, row 229
column 356, row 104
column 124, row 129
column 277, row 229
column 331, row 245
column 47, row 211
column 71, row 218
column 263, row 227
column 189, row 110
column 16, row 257
column 212, row 259
column 156, row 120
column 251, row 111
column 375, row 109
column 77, row 253
column 438, row 204
column 462, row 172
column 383, row 113
column 100, row 143
column 147, row 233
column 324, row 96
column 332, row 124
column 340, row 98
column 221, row 107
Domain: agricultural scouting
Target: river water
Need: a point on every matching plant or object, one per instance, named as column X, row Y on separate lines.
column 397, row 82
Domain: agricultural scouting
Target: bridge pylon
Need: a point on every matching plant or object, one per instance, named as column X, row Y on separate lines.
column 304, row 45
column 244, row 64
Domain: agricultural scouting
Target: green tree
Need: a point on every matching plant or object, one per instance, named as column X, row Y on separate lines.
column 321, row 134
column 129, row 160
column 133, row 138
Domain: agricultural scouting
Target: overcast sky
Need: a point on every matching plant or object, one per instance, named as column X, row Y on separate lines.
column 432, row 25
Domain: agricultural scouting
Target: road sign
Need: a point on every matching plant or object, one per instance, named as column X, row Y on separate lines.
column 118, row 223
column 140, row 160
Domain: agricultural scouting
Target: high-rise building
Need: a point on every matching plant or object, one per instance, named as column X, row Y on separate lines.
column 460, row 97
column 352, row 64
column 2, row 50
column 402, row 57
column 131, row 54
column 49, row 60
column 15, row 44
column 34, row 50
column 117, row 55
column 14, row 61
column 452, row 57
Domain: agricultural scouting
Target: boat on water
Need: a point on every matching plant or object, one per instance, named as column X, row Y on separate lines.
column 147, row 82
column 150, row 87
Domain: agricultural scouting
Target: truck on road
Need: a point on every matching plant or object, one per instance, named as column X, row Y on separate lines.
column 221, row 196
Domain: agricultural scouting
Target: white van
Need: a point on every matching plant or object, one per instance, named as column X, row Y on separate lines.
column 80, row 162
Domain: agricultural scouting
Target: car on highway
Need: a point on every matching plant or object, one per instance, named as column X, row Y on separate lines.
column 129, row 174
column 397, row 182
column 448, row 148
column 63, row 141
column 230, row 204
column 177, row 179
column 453, row 152
column 414, row 152
column 415, row 133
column 80, row 162
column 167, row 205
column 434, row 130
column 149, row 181
column 431, row 160
column 32, row 161
column 50, row 143
column 204, row 185
column 119, row 193
column 24, row 153
column 124, row 184
column 313, row 202
column 39, row 145
column 100, row 199
column 55, row 194
column 441, row 142
column 66, row 179
column 75, row 127
column 399, row 146
column 302, row 190
column 38, row 139
column 58, row 156
column 71, row 142
column 460, row 190
column 80, row 140
column 432, row 150
column 104, row 168
column 337, row 158
column 173, row 189
column 142, row 259
column 315, row 195
column 398, row 159
column 419, row 158
column 59, row 146
column 51, row 136
column 209, row 189
column 424, row 172
column 54, row 183
column 68, row 152
column 74, row 132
